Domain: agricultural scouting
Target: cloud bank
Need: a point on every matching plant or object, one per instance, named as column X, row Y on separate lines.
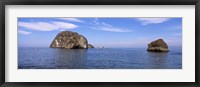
column 72, row 19
column 146, row 21
column 45, row 26
column 24, row 32
column 97, row 25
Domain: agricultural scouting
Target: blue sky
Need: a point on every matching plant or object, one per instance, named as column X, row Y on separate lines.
column 102, row 32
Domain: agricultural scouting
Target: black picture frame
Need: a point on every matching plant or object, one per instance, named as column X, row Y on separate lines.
column 99, row 2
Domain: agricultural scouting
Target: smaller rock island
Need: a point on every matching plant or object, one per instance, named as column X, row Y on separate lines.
column 70, row 40
column 158, row 46
column 90, row 46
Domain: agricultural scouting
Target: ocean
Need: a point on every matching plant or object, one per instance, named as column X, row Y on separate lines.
column 102, row 58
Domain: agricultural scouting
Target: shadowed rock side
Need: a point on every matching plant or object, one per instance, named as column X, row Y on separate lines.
column 90, row 46
column 158, row 46
column 69, row 40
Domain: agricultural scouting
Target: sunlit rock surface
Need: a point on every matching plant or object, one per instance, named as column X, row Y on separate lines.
column 90, row 46
column 69, row 40
column 158, row 46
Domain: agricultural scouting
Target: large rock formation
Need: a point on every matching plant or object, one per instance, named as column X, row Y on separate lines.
column 69, row 40
column 90, row 46
column 158, row 46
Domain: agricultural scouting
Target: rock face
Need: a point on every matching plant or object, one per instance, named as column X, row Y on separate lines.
column 69, row 40
column 158, row 46
column 90, row 46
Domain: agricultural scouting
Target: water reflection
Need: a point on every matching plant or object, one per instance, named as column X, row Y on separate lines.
column 158, row 59
column 73, row 58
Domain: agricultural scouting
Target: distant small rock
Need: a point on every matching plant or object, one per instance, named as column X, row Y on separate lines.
column 69, row 40
column 158, row 46
column 90, row 46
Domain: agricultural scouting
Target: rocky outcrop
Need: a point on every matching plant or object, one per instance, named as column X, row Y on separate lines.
column 90, row 46
column 69, row 40
column 158, row 46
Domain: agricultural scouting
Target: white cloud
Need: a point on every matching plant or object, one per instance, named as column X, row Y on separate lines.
column 24, row 32
column 65, row 25
column 107, row 27
column 112, row 29
column 72, row 19
column 44, row 26
column 146, row 21
column 105, row 24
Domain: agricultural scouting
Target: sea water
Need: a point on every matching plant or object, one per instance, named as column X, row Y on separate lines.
column 102, row 58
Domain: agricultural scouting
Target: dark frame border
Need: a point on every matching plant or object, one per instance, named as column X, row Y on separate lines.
column 98, row 2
